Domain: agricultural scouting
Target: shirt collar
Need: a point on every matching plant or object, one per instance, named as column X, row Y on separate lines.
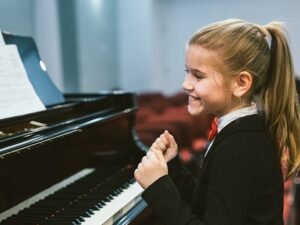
column 228, row 118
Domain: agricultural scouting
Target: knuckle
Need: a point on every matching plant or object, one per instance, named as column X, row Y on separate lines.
column 140, row 166
column 149, row 154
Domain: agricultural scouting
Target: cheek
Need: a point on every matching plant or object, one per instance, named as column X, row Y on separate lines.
column 203, row 89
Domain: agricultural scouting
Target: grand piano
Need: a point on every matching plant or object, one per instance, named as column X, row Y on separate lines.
column 72, row 163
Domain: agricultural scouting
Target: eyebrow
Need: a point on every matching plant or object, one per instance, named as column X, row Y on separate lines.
column 195, row 70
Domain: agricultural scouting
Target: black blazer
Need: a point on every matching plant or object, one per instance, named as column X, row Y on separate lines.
column 240, row 182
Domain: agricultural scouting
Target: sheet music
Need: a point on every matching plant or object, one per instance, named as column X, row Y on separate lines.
column 1, row 39
column 17, row 96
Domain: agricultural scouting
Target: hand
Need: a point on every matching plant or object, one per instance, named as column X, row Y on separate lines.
column 151, row 168
column 165, row 144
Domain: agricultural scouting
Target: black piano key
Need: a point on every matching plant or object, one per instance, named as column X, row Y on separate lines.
column 18, row 223
column 77, row 201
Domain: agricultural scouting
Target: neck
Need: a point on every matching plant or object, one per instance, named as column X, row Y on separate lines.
column 234, row 108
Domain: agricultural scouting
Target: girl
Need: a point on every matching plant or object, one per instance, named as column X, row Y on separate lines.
column 243, row 74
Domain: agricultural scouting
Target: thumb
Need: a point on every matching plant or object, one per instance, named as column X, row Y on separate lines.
column 170, row 139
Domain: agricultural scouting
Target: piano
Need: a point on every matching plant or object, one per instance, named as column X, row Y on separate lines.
column 72, row 163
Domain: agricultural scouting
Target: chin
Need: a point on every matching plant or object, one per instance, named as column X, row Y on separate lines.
column 195, row 111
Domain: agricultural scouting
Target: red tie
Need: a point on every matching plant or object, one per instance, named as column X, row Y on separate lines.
column 213, row 129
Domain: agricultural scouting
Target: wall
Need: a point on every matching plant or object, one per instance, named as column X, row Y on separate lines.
column 37, row 19
column 17, row 16
column 134, row 45
column 97, row 36
column 191, row 15
column 47, row 36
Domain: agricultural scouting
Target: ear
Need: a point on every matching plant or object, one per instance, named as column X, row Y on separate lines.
column 242, row 84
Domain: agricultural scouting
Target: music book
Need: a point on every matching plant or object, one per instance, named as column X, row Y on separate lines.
column 44, row 87
column 17, row 96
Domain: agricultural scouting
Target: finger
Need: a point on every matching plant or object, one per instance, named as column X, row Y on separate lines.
column 140, row 166
column 171, row 139
column 144, row 159
column 160, row 144
column 136, row 172
column 152, row 155
column 153, row 148
column 167, row 135
column 160, row 156
column 164, row 139
column 154, row 144
column 158, row 141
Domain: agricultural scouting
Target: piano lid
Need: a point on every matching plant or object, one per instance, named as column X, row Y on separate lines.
column 37, row 74
column 79, row 111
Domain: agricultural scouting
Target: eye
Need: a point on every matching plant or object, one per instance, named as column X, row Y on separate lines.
column 198, row 76
column 194, row 73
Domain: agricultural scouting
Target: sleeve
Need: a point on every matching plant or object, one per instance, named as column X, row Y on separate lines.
column 183, row 179
column 164, row 199
column 227, row 193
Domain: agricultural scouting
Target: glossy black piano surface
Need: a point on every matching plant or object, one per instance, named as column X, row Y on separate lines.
column 41, row 149
column 76, row 158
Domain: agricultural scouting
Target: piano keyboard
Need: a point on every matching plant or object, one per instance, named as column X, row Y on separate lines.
column 89, row 197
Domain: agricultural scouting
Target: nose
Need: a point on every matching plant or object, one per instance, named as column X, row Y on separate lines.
column 187, row 85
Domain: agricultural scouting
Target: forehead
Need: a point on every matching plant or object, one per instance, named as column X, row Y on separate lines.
column 200, row 58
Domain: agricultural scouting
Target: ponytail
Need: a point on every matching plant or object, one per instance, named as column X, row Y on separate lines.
column 280, row 100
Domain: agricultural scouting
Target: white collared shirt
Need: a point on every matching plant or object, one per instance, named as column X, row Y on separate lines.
column 228, row 118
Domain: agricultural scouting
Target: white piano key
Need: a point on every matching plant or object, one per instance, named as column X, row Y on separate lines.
column 45, row 193
column 113, row 210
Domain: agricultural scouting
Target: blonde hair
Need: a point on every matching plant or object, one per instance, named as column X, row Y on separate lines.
column 263, row 51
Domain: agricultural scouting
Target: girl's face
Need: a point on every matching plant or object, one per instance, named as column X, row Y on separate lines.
column 204, row 84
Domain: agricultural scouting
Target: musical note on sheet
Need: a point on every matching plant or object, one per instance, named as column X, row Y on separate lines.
column 17, row 96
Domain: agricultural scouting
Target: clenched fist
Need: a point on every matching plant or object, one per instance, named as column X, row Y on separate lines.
column 152, row 167
column 165, row 144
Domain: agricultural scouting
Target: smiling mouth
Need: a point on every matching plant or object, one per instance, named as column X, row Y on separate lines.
column 194, row 97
